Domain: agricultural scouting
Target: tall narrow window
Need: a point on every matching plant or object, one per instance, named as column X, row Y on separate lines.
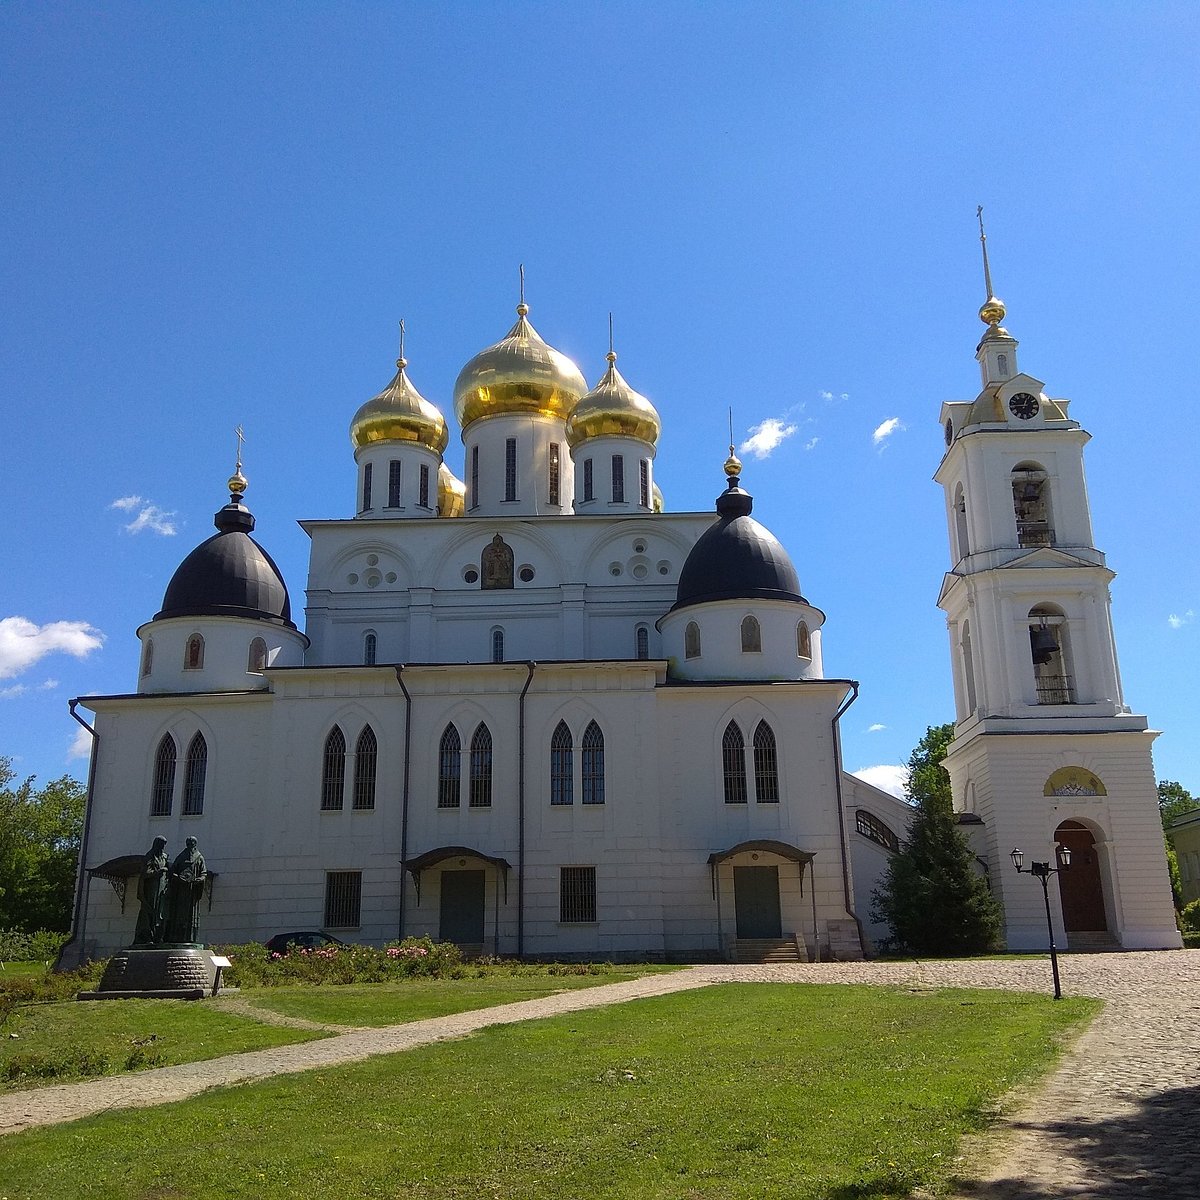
column 588, row 493
column 481, row 768
column 497, row 645
column 618, row 478
column 1002, row 365
column 366, row 489
column 449, row 768
column 561, row 766
column 343, row 899
column 256, row 659
column 803, row 641
column 733, row 763
column 333, row 769
column 394, row 468
column 691, row 640
column 766, row 765
column 554, row 474
column 366, row 756
column 577, row 894
column 960, row 521
column 423, row 486
column 370, row 648
column 510, row 468
column 593, row 764
column 193, row 780
column 968, row 667
column 642, row 642
column 147, row 657
column 644, row 483
column 193, row 653
column 164, row 778
column 751, row 636
column 1031, row 504
column 474, row 476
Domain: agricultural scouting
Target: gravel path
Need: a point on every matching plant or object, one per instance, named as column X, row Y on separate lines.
column 1115, row 1121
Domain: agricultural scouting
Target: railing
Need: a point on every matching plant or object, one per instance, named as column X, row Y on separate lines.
column 1055, row 689
column 1034, row 533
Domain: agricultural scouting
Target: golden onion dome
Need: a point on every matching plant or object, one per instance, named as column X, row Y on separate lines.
column 519, row 374
column 452, row 493
column 657, row 499
column 613, row 409
column 400, row 414
column 992, row 311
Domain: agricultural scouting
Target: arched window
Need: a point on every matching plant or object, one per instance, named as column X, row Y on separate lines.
column 561, row 765
column 733, row 762
column 147, row 657
column 333, row 769
column 366, row 488
column 968, row 667
column 256, row 660
column 766, row 765
column 370, row 647
column 1031, row 505
column 366, row 755
column 1002, row 365
column 164, row 778
column 449, row 768
column 642, row 641
column 481, row 767
column 963, row 546
column 497, row 645
column 870, row 826
column 593, row 764
column 193, row 654
column 751, row 635
column 193, row 780
column 1050, row 652
column 803, row 640
column 691, row 640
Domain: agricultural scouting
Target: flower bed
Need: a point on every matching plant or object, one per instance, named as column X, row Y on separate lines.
column 254, row 966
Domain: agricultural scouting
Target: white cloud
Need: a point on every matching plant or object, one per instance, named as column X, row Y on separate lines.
column 1177, row 622
column 22, row 643
column 830, row 397
column 47, row 685
column 765, row 436
column 811, row 443
column 149, row 516
column 887, row 777
column 11, row 693
column 885, row 431
column 81, row 745
column 875, row 728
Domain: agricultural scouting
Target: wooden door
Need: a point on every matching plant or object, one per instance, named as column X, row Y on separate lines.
column 462, row 908
column 756, row 902
column 1079, row 887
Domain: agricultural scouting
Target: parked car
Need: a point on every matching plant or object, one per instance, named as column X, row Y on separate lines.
column 305, row 939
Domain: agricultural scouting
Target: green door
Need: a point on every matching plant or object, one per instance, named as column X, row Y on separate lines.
column 756, row 902
column 462, row 908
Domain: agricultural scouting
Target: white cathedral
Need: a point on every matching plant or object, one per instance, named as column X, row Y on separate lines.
column 534, row 714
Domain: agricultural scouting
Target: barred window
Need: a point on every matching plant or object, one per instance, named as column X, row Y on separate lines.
column 870, row 826
column 148, row 656
column 691, row 640
column 370, row 648
column 588, row 493
column 193, row 780
column 510, row 468
column 423, row 486
column 644, row 483
column 733, row 761
column 497, row 645
column 474, row 476
column 449, row 768
column 562, row 768
column 256, row 660
column 481, row 768
column 343, row 899
column 366, row 757
column 643, row 642
column 554, row 473
column 618, row 478
column 766, row 765
column 577, row 894
column 164, row 778
column 751, row 635
column 366, row 488
column 333, row 769
column 193, row 654
column 394, row 468
column 593, row 764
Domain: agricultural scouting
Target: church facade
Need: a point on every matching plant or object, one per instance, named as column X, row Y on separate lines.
column 532, row 713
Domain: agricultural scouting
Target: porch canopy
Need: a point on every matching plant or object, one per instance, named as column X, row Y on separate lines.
column 763, row 846
column 431, row 858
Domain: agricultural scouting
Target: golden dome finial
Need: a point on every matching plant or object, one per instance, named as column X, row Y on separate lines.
column 733, row 464
column 522, row 307
column 612, row 354
column 237, row 481
column 992, row 311
column 401, row 361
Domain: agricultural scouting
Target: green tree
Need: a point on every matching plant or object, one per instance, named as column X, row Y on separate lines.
column 40, row 830
column 1174, row 800
column 932, row 895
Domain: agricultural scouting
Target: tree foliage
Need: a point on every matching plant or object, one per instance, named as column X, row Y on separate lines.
column 932, row 895
column 1174, row 800
column 40, row 831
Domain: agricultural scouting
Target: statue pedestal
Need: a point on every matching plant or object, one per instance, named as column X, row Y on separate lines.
column 157, row 973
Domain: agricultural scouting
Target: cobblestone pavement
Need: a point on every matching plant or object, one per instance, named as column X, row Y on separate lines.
column 1115, row 1121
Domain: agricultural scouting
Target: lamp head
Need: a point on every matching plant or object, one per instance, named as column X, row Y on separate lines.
column 1018, row 858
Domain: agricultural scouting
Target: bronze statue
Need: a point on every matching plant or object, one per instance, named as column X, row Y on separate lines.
column 152, row 895
column 184, row 889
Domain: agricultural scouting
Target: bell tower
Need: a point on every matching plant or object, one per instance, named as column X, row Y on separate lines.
column 1038, row 698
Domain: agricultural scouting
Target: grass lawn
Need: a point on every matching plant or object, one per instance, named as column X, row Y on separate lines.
column 22, row 968
column 743, row 1090
column 415, row 999
column 66, row 1042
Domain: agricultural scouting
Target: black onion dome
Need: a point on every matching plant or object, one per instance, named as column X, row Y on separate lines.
column 230, row 575
column 736, row 558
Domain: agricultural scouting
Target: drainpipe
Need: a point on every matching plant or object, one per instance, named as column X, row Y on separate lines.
column 79, row 915
column 837, row 783
column 530, row 666
column 404, row 796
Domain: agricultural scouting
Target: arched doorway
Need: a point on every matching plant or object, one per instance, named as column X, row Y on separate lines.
column 1080, row 887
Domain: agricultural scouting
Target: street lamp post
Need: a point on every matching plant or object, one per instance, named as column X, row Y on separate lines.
column 1043, row 871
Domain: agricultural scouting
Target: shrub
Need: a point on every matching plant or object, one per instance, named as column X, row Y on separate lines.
column 73, row 1062
column 1190, row 917
column 41, row 946
column 254, row 966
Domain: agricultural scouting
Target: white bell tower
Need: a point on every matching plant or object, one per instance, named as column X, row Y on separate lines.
column 1046, row 751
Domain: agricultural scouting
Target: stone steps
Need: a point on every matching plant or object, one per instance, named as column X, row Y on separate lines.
column 766, row 950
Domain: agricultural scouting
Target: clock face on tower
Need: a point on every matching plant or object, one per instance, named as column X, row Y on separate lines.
column 1023, row 405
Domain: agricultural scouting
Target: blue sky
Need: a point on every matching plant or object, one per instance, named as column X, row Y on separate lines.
column 215, row 214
